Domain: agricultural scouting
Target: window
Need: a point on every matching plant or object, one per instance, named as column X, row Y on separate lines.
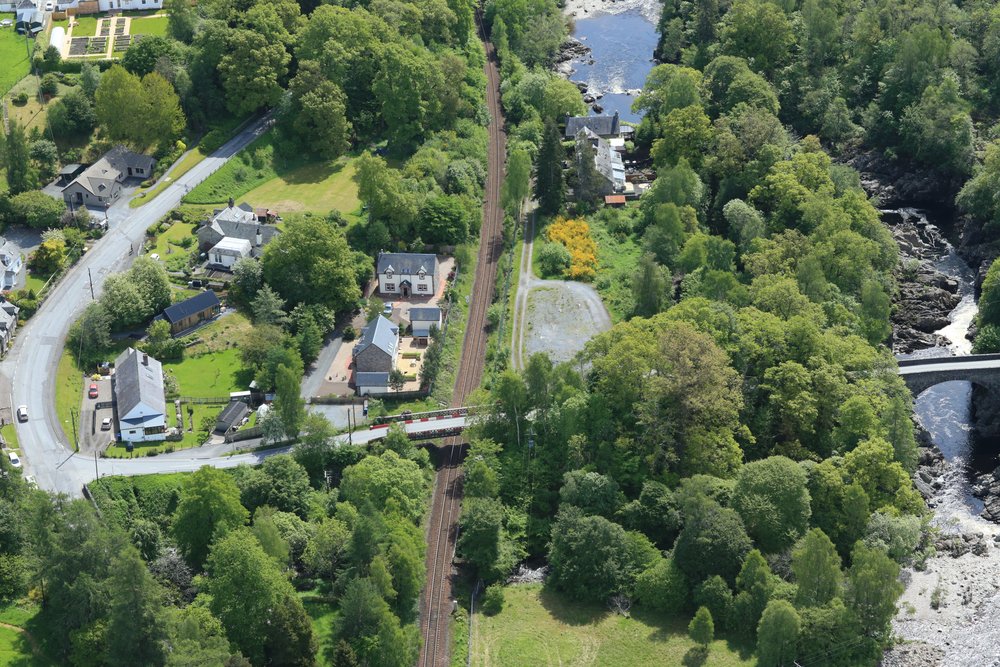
column 421, row 287
column 390, row 287
column 154, row 430
column 218, row 258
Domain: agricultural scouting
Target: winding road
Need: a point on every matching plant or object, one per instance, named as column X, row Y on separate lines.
column 28, row 372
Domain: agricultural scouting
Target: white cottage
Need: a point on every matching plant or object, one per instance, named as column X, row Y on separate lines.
column 407, row 274
column 138, row 389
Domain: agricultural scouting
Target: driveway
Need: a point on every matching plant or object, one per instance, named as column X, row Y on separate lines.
column 30, row 367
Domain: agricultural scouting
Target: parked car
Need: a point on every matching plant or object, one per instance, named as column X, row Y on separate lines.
column 14, row 459
column 92, row 392
column 387, row 310
column 106, row 424
column 49, row 6
column 6, row 23
column 22, row 413
column 155, row 256
column 195, row 284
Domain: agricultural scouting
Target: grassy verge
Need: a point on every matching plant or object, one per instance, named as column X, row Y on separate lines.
column 68, row 388
column 192, row 158
column 458, row 320
column 14, row 55
column 17, row 647
column 537, row 626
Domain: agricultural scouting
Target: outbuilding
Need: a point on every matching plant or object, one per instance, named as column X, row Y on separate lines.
column 191, row 312
column 423, row 319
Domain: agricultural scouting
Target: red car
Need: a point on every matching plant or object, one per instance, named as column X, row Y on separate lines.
column 93, row 391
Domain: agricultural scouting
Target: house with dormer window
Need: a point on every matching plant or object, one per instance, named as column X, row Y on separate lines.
column 407, row 274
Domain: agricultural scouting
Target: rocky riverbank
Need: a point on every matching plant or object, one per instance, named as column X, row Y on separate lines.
column 579, row 9
column 926, row 295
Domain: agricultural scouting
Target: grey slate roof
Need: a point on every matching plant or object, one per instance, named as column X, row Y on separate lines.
column 138, row 384
column 426, row 314
column 371, row 379
column 113, row 166
column 188, row 307
column 381, row 333
column 604, row 126
column 237, row 222
column 231, row 415
column 406, row 263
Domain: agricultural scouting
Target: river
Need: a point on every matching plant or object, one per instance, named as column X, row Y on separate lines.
column 622, row 37
column 961, row 632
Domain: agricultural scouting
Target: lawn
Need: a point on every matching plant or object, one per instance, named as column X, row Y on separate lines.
column 149, row 26
column 16, row 647
column 617, row 260
column 168, row 245
column 9, row 432
column 322, row 614
column 221, row 335
column 319, row 188
column 260, row 178
column 190, row 159
column 86, row 26
column 14, row 55
column 538, row 627
column 207, row 375
column 33, row 281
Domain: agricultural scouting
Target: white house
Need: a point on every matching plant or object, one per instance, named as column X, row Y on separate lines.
column 228, row 251
column 422, row 319
column 140, row 403
column 406, row 274
column 106, row 5
column 12, row 264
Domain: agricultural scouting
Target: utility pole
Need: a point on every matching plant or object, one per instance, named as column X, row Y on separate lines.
column 72, row 415
column 91, row 276
column 96, row 474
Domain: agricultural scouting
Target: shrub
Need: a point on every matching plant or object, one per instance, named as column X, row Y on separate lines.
column 49, row 85
column 212, row 140
column 574, row 234
column 493, row 600
column 554, row 259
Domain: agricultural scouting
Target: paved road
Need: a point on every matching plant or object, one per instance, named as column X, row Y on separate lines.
column 27, row 373
column 958, row 364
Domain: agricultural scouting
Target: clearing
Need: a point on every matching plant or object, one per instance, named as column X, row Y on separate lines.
column 561, row 317
column 539, row 627
column 13, row 55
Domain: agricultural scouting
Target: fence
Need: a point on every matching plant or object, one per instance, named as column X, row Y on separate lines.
column 210, row 400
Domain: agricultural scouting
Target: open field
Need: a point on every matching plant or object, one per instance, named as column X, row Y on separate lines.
column 13, row 55
column 538, row 627
column 319, row 188
column 149, row 26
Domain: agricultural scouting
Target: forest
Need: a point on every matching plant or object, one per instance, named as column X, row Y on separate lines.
column 738, row 451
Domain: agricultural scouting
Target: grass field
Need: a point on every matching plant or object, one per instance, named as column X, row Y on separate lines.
column 537, row 627
column 291, row 187
column 149, row 26
column 14, row 56
column 35, row 282
column 207, row 375
column 319, row 188
column 322, row 615
column 86, row 26
column 189, row 160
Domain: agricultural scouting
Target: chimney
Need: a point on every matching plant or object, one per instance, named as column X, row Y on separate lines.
column 259, row 239
column 232, row 202
column 145, row 359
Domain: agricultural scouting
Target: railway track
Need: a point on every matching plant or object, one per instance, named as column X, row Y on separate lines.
column 435, row 604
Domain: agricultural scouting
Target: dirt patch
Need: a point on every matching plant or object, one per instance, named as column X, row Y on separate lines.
column 561, row 317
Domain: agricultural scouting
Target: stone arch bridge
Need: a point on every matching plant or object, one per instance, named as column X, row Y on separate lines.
column 979, row 369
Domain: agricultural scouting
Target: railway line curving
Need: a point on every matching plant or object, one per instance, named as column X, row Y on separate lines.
column 436, row 601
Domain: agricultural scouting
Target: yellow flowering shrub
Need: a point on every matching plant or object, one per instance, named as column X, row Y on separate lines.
column 574, row 234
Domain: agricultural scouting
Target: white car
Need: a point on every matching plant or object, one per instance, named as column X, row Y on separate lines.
column 49, row 6
column 155, row 257
column 15, row 461
column 106, row 424
column 6, row 23
column 387, row 309
column 22, row 413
